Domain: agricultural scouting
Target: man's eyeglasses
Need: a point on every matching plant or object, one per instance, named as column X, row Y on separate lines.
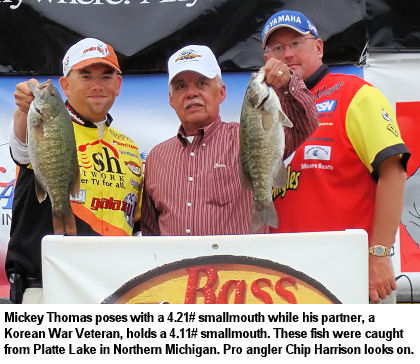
column 278, row 50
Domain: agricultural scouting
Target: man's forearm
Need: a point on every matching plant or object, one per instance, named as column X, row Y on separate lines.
column 388, row 208
column 298, row 104
column 19, row 118
column 388, row 203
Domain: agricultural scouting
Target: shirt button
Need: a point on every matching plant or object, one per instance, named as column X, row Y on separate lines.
column 189, row 204
column 286, row 92
column 190, row 179
column 187, row 231
column 192, row 154
column 293, row 88
column 203, row 145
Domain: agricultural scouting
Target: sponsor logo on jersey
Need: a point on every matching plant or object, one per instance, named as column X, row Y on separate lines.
column 386, row 116
column 120, row 136
column 135, row 184
column 328, row 91
column 391, row 126
column 124, row 144
column 129, row 153
column 292, row 184
column 80, row 198
column 319, row 152
column 326, row 106
column 134, row 168
column 110, row 204
column 130, row 200
column 101, row 161
column 127, row 206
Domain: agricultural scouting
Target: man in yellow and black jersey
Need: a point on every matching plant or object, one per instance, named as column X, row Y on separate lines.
column 350, row 173
column 111, row 170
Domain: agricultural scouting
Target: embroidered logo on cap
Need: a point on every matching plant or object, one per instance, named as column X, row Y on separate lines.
column 99, row 48
column 188, row 54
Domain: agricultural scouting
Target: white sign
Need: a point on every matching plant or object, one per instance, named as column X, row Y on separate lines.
column 97, row 269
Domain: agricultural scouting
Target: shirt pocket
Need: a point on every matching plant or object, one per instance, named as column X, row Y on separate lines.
column 222, row 183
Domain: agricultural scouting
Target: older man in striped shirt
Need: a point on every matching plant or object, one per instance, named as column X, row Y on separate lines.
column 191, row 180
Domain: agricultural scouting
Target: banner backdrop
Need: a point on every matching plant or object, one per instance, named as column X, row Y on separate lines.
column 398, row 77
column 145, row 32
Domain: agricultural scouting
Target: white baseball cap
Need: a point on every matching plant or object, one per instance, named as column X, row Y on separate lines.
column 197, row 58
column 89, row 51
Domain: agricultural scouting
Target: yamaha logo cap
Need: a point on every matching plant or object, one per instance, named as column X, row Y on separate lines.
column 290, row 19
column 89, row 51
column 196, row 58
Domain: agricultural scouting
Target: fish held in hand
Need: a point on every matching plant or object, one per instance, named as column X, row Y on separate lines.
column 262, row 143
column 53, row 155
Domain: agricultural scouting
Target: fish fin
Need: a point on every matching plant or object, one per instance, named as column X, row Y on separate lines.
column 281, row 179
column 64, row 225
column 40, row 192
column 245, row 182
column 267, row 215
column 284, row 119
column 38, row 130
column 267, row 120
column 34, row 88
column 75, row 184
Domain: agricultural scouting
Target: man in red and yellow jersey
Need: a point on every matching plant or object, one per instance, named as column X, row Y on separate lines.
column 350, row 172
column 111, row 170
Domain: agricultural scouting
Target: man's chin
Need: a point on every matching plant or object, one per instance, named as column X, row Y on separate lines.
column 100, row 107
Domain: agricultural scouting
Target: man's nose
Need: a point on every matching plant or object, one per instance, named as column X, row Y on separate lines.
column 97, row 81
column 192, row 91
column 288, row 52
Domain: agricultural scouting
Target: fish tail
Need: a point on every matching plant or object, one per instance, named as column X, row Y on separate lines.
column 263, row 215
column 64, row 225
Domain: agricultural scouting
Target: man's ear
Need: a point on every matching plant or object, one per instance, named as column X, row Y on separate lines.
column 119, row 78
column 170, row 100
column 222, row 93
column 320, row 47
column 64, row 83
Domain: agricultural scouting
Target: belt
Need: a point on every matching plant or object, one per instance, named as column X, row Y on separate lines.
column 32, row 283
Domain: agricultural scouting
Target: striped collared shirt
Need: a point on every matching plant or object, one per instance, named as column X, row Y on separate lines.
column 194, row 188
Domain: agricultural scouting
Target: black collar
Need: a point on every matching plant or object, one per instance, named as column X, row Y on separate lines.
column 317, row 76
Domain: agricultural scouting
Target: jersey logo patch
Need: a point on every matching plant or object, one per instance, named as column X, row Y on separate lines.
column 391, row 127
column 326, row 106
column 318, row 152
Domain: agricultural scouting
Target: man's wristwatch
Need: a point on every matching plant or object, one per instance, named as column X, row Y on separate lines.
column 380, row 251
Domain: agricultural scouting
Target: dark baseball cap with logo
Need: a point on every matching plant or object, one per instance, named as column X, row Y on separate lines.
column 288, row 19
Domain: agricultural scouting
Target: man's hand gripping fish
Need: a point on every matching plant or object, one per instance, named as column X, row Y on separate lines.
column 262, row 144
column 53, row 156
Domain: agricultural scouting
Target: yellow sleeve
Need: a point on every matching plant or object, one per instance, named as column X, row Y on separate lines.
column 371, row 125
